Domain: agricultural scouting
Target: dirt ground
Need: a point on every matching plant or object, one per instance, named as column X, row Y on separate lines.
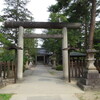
column 89, row 95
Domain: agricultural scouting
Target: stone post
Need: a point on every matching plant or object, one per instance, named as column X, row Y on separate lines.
column 44, row 60
column 53, row 61
column 49, row 62
column 20, row 53
column 26, row 65
column 54, row 64
column 36, row 60
column 65, row 53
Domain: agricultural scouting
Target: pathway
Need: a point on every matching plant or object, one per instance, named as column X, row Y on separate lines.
column 42, row 83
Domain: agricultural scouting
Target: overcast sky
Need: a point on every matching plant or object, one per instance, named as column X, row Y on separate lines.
column 37, row 7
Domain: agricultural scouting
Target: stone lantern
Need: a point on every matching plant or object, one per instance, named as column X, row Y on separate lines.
column 53, row 58
column 91, row 78
column 27, row 54
column 90, row 60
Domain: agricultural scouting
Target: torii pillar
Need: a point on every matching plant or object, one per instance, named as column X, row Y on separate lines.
column 65, row 54
column 20, row 53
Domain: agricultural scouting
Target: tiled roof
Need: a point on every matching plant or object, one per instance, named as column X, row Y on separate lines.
column 43, row 51
column 77, row 54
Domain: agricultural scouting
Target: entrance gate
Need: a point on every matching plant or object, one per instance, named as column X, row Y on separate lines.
column 46, row 25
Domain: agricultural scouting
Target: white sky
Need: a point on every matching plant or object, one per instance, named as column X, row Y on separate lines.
column 39, row 9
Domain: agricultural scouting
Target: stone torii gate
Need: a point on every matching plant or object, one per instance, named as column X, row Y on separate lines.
column 47, row 25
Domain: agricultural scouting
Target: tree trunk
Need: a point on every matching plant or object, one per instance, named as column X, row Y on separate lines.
column 92, row 25
column 86, row 36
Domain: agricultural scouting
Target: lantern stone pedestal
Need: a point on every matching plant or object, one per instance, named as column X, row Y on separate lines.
column 91, row 76
column 26, row 65
column 54, row 64
column 53, row 58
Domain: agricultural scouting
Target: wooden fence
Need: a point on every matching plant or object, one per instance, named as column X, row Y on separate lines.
column 8, row 70
column 77, row 65
column 76, row 68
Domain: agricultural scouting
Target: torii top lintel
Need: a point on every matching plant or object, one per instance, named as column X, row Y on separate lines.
column 46, row 25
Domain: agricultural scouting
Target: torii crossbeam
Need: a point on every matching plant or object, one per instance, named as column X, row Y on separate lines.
column 46, row 25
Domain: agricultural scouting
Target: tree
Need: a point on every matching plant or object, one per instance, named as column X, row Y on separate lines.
column 55, row 45
column 30, row 46
column 97, row 40
column 3, row 40
column 76, row 11
column 70, row 11
column 92, row 24
column 15, row 10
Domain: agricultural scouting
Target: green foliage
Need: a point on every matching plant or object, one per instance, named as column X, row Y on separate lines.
column 75, row 38
column 30, row 45
column 16, row 10
column 59, row 67
column 26, row 58
column 29, row 49
column 1, row 19
column 97, row 40
column 7, row 55
column 56, row 17
column 5, row 96
column 55, row 45
column 76, row 11
column 4, row 40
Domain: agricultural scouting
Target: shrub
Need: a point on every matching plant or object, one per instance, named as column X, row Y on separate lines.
column 5, row 96
column 59, row 68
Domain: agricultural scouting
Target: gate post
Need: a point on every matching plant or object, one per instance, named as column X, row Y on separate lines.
column 20, row 53
column 65, row 53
